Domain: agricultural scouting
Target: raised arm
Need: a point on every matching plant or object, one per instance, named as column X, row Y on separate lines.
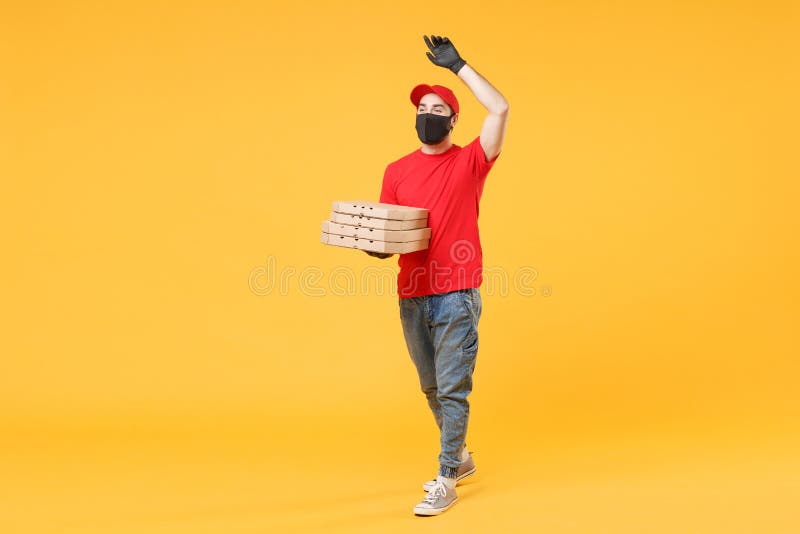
column 444, row 54
column 493, row 131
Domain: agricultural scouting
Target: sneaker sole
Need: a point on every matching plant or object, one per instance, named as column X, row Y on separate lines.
column 431, row 511
column 458, row 479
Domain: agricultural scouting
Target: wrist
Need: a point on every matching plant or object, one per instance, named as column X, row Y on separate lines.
column 457, row 66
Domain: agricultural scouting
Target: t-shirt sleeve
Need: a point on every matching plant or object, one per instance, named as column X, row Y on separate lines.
column 387, row 188
column 476, row 159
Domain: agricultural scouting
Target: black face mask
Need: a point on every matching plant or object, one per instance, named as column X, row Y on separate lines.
column 432, row 128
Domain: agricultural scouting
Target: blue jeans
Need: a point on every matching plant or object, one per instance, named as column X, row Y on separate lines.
column 441, row 333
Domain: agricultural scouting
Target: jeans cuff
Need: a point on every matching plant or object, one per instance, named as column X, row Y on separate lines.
column 448, row 472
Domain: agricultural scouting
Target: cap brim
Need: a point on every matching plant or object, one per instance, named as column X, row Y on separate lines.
column 419, row 91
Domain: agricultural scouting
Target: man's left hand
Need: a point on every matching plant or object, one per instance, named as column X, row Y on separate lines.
column 444, row 53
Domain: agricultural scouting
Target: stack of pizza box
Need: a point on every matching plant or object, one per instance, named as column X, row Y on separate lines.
column 377, row 227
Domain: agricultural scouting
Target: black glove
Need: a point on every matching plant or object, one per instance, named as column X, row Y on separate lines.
column 444, row 53
column 381, row 255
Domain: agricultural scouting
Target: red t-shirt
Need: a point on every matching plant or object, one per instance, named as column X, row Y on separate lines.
column 449, row 185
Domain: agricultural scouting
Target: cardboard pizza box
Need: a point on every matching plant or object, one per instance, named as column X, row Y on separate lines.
column 373, row 245
column 394, row 236
column 372, row 222
column 379, row 210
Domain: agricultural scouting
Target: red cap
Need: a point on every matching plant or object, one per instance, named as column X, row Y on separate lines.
column 446, row 94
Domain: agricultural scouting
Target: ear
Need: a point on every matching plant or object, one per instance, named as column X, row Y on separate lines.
column 454, row 120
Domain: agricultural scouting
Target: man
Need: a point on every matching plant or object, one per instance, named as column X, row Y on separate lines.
column 438, row 288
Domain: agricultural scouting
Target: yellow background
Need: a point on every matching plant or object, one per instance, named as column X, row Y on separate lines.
column 156, row 157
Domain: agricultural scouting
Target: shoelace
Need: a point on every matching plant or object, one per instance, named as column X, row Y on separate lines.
column 437, row 491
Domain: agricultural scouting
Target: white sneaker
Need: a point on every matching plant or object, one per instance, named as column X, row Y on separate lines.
column 438, row 499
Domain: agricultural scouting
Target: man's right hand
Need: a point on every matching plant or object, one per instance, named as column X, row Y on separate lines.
column 381, row 255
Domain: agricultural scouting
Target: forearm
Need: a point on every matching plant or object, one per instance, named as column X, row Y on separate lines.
column 486, row 94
